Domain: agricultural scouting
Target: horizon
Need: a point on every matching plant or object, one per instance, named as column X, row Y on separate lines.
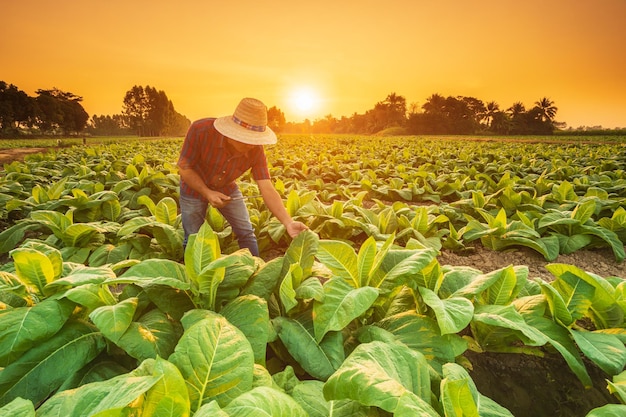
column 323, row 59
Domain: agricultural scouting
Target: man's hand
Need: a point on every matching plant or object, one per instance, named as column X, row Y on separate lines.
column 294, row 228
column 217, row 199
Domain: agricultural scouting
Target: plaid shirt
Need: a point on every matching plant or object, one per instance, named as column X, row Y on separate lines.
column 205, row 151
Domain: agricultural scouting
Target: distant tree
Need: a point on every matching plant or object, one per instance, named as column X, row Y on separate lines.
column 518, row 119
column 434, row 118
column 547, row 109
column 150, row 113
column 276, row 119
column 390, row 112
column 460, row 117
column 60, row 110
column 534, row 123
column 516, row 109
column 108, row 125
column 17, row 109
column 136, row 108
column 325, row 125
column 490, row 111
column 500, row 123
column 476, row 109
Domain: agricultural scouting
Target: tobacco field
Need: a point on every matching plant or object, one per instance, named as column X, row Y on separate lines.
column 104, row 313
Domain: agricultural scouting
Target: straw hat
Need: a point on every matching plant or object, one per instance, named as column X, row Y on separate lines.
column 248, row 124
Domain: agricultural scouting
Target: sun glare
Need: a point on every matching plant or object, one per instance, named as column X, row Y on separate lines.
column 304, row 102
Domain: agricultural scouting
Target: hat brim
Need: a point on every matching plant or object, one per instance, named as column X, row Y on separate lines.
column 227, row 127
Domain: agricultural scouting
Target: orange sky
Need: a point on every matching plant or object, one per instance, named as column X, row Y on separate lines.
column 206, row 55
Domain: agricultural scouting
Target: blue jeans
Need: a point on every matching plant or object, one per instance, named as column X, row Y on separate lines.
column 193, row 213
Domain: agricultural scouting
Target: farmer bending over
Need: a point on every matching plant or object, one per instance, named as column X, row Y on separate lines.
column 215, row 153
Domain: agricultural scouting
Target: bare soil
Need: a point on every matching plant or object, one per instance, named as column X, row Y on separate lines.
column 528, row 386
column 17, row 154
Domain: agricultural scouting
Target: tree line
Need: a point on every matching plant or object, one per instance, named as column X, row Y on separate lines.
column 51, row 111
column 439, row 115
column 146, row 112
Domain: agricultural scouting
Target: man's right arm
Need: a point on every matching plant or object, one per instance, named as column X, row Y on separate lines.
column 193, row 180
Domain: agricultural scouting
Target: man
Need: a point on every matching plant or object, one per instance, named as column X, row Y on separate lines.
column 215, row 153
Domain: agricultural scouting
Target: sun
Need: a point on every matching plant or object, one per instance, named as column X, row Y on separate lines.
column 304, row 101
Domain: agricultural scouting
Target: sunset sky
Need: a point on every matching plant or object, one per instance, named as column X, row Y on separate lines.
column 344, row 55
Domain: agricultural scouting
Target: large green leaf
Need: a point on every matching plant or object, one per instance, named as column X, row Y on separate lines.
column 577, row 293
column 33, row 268
column 202, row 249
column 208, row 281
column 131, row 226
column 35, row 375
column 421, row 333
column 153, row 334
column 12, row 236
column 170, row 300
column 571, row 243
column 310, row 395
column 109, row 254
column 169, row 396
column 617, row 387
column 405, row 271
column 79, row 235
column 166, row 211
column 236, row 275
column 495, row 327
column 111, row 210
column 342, row 303
column 170, row 238
column 379, row 374
column 95, row 371
column 609, row 237
column 460, row 397
column 341, row 259
column 453, row 314
column 609, row 410
column 258, row 402
column 155, row 272
column 216, row 360
column 264, row 280
column 114, row 320
column 22, row 328
column 19, row 407
column 365, row 260
column 558, row 306
column 304, row 348
column 106, row 398
column 605, row 310
column 251, row 315
column 301, row 251
column 55, row 221
column 560, row 339
column 286, row 291
column 605, row 350
column 81, row 275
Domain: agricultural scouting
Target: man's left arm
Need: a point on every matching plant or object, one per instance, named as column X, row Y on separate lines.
column 274, row 203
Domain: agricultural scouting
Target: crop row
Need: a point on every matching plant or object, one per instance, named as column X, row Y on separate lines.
column 353, row 318
column 552, row 199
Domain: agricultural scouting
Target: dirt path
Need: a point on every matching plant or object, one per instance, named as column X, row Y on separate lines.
column 17, row 154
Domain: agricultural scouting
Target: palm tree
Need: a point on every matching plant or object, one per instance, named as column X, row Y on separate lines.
column 517, row 109
column 491, row 109
column 435, row 104
column 547, row 109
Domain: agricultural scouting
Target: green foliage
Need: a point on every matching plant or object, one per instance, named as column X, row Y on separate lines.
column 355, row 317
